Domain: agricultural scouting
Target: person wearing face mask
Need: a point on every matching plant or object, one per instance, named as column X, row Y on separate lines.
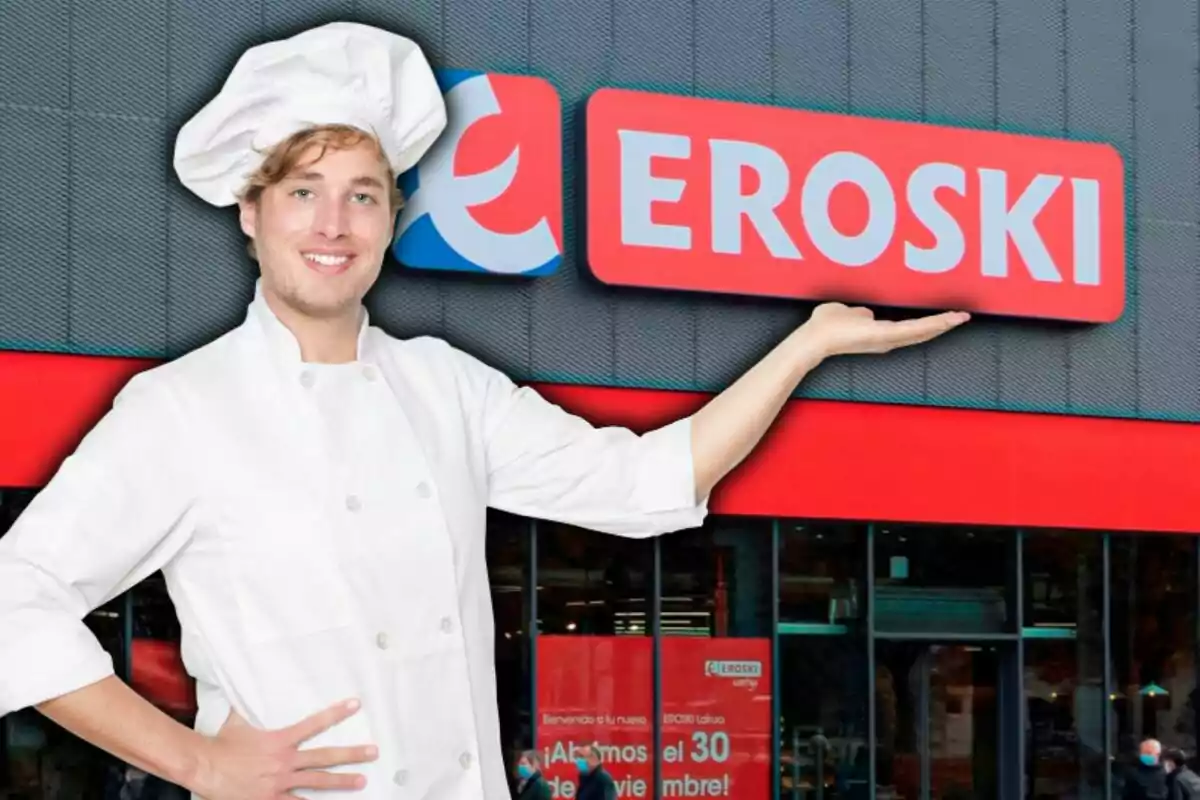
column 530, row 783
column 594, row 781
column 1182, row 783
column 1147, row 780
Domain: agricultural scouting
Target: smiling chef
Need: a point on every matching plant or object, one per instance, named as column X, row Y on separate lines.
column 315, row 489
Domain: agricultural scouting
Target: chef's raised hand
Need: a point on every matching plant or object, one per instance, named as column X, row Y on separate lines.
column 245, row 763
column 838, row 329
column 730, row 425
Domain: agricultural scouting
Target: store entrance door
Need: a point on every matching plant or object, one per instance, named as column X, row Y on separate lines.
column 947, row 720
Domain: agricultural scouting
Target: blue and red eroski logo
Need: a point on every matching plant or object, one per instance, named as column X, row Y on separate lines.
column 487, row 197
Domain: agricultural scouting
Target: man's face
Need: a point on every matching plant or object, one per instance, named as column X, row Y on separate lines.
column 321, row 233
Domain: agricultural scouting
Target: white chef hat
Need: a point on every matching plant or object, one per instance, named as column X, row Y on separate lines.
column 340, row 73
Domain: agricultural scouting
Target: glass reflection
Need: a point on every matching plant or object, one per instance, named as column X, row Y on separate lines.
column 508, row 539
column 939, row 720
column 1064, row 665
column 37, row 758
column 715, row 654
column 594, row 655
column 822, row 575
column 714, row 580
column 591, row 583
column 823, row 666
column 964, row 722
column 1154, row 596
column 823, row 691
column 156, row 669
column 945, row 580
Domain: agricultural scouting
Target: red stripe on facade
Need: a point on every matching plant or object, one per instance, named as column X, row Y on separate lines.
column 822, row 459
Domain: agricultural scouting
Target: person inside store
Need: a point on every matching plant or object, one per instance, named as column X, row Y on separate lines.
column 315, row 490
column 1182, row 782
column 594, row 781
column 1146, row 780
column 530, row 783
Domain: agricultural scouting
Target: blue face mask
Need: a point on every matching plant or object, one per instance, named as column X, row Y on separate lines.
column 1147, row 759
column 582, row 764
column 525, row 771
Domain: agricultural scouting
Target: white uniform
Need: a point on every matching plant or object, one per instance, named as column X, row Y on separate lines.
column 321, row 529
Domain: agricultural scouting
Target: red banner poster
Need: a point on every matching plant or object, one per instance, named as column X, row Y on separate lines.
column 157, row 674
column 596, row 689
column 716, row 726
column 716, row 732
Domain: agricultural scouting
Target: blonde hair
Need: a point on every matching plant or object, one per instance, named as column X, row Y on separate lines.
column 285, row 158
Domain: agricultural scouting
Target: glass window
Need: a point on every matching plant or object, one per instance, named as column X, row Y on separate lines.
column 508, row 539
column 37, row 757
column 13, row 503
column 823, row 667
column 939, row 718
column 1064, row 664
column 944, row 580
column 594, row 654
column 716, row 581
column 157, row 673
column 156, row 665
column 1154, row 595
column 822, row 575
column 716, row 660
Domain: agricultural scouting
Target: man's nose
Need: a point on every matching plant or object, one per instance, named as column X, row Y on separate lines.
column 330, row 219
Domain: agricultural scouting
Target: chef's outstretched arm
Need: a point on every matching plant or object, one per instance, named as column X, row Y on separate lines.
column 731, row 425
column 544, row 462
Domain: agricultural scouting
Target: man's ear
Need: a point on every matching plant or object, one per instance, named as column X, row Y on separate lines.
column 248, row 217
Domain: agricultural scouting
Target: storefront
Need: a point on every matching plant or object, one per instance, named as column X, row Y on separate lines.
column 966, row 570
column 796, row 659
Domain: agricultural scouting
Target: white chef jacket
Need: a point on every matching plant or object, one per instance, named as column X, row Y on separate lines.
column 321, row 531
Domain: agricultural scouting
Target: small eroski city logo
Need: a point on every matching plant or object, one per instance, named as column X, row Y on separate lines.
column 487, row 197
column 733, row 669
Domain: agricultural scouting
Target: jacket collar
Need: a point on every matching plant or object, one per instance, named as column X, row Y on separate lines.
column 282, row 344
column 525, row 783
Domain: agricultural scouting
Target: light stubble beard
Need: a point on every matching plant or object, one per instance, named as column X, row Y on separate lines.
column 334, row 307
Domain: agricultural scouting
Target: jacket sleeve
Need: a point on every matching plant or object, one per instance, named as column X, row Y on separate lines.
column 117, row 510
column 545, row 462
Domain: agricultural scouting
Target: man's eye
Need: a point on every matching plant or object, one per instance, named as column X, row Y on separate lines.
column 363, row 198
column 301, row 193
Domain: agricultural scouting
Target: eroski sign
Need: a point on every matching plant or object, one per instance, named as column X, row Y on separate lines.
column 697, row 194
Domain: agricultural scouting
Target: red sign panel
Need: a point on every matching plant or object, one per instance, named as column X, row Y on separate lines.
column 706, row 195
column 157, row 673
column 716, row 725
column 596, row 689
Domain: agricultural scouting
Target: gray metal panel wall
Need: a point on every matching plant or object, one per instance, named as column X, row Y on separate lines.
column 102, row 252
